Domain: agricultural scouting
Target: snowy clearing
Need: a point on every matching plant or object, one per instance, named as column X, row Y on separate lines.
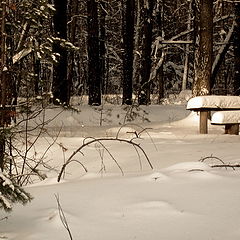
column 181, row 198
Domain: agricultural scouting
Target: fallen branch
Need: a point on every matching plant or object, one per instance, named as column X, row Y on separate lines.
column 233, row 166
column 222, row 165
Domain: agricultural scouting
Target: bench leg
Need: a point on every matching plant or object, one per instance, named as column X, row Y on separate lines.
column 203, row 127
column 232, row 129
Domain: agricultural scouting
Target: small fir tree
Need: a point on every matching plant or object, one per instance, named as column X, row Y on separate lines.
column 11, row 192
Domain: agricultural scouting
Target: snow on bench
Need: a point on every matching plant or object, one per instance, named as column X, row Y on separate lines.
column 231, row 120
column 214, row 102
column 206, row 104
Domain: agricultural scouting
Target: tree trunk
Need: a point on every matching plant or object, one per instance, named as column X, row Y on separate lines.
column 137, row 46
column 204, row 46
column 159, row 9
column 102, row 45
column 2, row 82
column 7, row 109
column 72, row 24
column 187, row 50
column 237, row 50
column 128, row 39
column 94, row 80
column 144, row 95
column 60, row 87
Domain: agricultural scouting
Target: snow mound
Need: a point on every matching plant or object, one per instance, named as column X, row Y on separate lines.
column 156, row 176
column 152, row 208
column 191, row 120
column 188, row 166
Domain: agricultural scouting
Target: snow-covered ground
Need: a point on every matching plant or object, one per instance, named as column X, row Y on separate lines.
column 181, row 198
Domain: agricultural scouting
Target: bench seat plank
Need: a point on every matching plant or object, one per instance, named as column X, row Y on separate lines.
column 231, row 120
column 226, row 117
column 214, row 102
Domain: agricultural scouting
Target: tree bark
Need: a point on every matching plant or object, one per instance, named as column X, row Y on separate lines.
column 187, row 50
column 72, row 24
column 128, row 45
column 94, row 80
column 137, row 46
column 7, row 110
column 102, row 45
column 159, row 9
column 237, row 50
column 61, row 86
column 204, row 47
column 128, row 40
column 144, row 95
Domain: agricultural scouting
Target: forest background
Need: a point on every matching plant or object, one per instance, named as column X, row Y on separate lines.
column 137, row 48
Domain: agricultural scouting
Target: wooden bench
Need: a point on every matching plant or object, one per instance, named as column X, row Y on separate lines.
column 231, row 120
column 206, row 104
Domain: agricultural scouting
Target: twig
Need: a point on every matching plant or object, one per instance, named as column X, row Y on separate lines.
column 137, row 134
column 223, row 164
column 4, row 218
column 211, row 157
column 62, row 217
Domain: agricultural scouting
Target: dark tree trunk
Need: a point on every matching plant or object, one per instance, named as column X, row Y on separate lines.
column 94, row 80
column 61, row 86
column 144, row 95
column 237, row 50
column 160, row 30
column 204, row 46
column 73, row 12
column 7, row 85
column 102, row 47
column 128, row 39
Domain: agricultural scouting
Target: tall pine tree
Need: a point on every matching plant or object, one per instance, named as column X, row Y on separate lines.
column 128, row 39
column 94, row 78
column 60, row 86
column 144, row 95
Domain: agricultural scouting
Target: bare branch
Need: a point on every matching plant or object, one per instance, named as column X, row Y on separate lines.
column 100, row 140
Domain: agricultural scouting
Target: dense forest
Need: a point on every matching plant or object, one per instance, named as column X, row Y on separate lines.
column 139, row 50
column 134, row 48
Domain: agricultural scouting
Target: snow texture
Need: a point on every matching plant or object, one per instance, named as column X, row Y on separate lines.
column 181, row 198
column 214, row 102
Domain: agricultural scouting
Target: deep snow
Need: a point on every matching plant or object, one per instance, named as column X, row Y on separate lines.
column 181, row 198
